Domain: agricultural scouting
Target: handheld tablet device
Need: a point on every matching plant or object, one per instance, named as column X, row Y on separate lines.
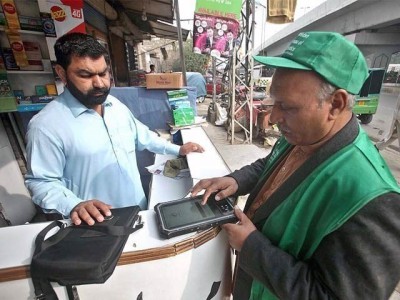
column 188, row 214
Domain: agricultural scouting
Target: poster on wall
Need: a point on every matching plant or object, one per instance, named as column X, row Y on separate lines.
column 216, row 27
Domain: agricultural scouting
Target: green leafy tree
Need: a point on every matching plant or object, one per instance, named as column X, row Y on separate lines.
column 194, row 62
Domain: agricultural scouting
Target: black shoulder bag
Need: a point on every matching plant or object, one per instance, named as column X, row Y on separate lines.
column 80, row 254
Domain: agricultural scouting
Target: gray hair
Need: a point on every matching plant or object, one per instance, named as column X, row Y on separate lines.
column 328, row 89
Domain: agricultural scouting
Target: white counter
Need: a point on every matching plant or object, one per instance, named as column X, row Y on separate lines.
column 183, row 267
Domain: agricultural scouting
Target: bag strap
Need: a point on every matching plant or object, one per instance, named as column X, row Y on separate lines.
column 113, row 230
column 43, row 288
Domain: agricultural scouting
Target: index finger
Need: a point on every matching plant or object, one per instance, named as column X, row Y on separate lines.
column 201, row 185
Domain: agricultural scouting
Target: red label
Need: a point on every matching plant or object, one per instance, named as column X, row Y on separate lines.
column 17, row 47
column 76, row 13
column 9, row 8
column 57, row 13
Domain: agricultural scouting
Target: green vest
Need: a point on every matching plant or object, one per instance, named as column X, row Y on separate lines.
column 326, row 199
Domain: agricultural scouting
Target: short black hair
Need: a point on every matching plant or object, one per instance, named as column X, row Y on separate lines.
column 77, row 44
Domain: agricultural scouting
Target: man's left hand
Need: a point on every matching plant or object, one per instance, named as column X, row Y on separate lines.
column 238, row 233
column 190, row 147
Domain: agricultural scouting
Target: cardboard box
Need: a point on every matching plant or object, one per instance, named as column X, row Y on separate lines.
column 176, row 104
column 177, row 95
column 164, row 80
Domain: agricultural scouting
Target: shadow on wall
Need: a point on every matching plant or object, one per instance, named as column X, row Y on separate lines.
column 17, row 207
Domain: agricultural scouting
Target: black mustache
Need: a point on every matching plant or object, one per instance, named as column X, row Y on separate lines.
column 97, row 91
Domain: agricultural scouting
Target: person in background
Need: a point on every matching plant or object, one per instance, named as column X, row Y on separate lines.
column 322, row 218
column 152, row 68
column 81, row 147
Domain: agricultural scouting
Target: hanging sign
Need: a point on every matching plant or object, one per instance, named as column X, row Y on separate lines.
column 223, row 8
column 216, row 27
column 60, row 17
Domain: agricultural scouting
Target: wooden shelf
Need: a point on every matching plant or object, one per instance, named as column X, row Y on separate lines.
column 22, row 31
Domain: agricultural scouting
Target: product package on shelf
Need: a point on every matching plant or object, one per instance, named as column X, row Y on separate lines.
column 40, row 90
column 182, row 112
column 40, row 99
column 9, row 60
column 34, row 56
column 17, row 47
column 48, row 26
column 51, row 89
column 7, row 99
column 10, row 12
column 30, row 23
column 5, row 87
column 3, row 21
column 19, row 95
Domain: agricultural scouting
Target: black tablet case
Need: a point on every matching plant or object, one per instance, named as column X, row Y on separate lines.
column 80, row 254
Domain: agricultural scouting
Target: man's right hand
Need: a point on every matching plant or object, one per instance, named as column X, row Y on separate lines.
column 90, row 211
column 224, row 186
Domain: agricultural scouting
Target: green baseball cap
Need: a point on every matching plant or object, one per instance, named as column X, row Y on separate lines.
column 329, row 54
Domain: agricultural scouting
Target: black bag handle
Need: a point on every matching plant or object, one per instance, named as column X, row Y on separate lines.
column 42, row 234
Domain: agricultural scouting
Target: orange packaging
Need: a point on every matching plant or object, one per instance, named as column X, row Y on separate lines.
column 51, row 89
column 18, row 49
column 10, row 12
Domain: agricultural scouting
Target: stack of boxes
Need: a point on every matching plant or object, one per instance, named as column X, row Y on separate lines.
column 183, row 113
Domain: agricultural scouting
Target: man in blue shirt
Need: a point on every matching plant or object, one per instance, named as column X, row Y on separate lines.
column 81, row 146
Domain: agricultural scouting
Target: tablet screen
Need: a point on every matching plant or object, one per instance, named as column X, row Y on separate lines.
column 188, row 212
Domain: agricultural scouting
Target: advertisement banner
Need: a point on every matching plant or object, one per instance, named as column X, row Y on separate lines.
column 60, row 17
column 223, row 8
column 216, row 27
column 214, row 35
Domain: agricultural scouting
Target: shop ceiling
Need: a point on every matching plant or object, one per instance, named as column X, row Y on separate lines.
column 136, row 20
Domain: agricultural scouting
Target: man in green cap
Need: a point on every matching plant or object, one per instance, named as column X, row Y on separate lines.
column 322, row 218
